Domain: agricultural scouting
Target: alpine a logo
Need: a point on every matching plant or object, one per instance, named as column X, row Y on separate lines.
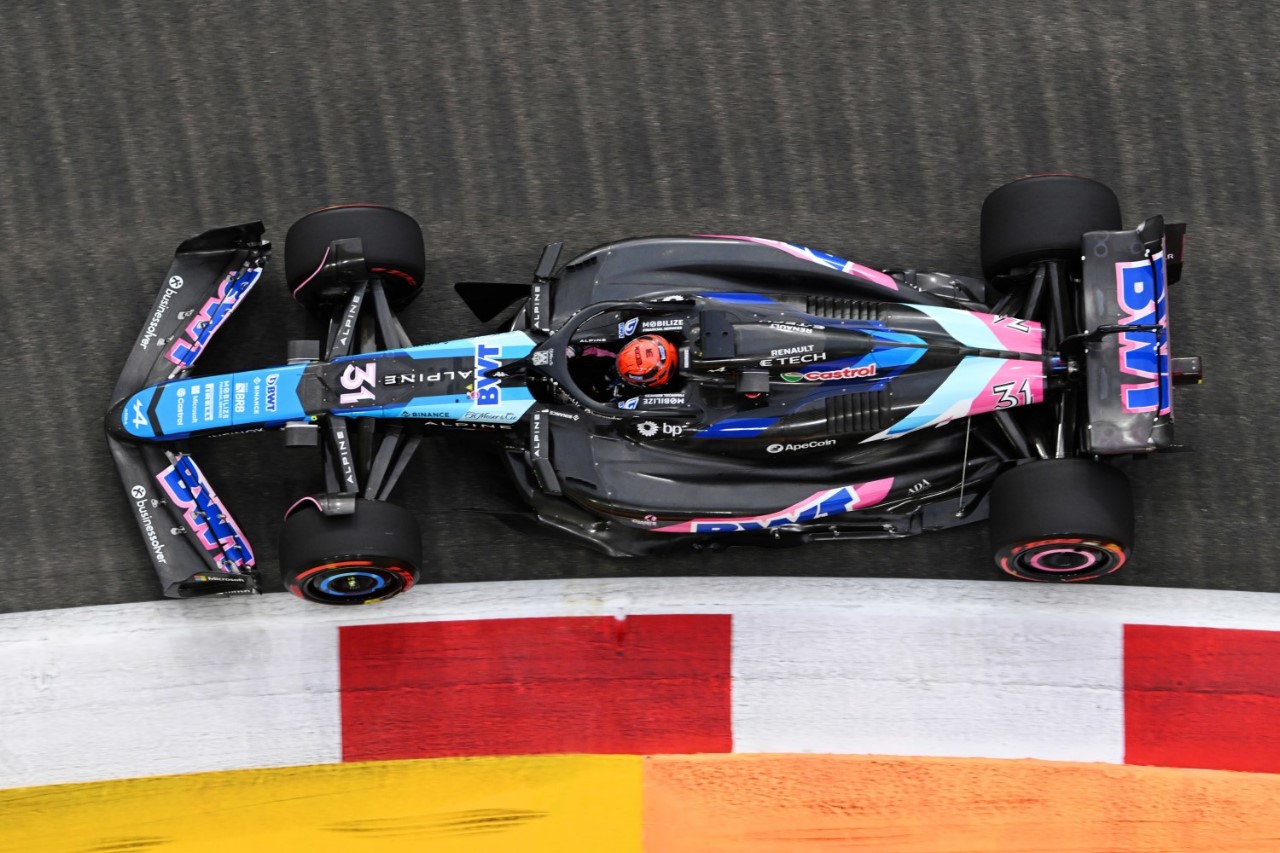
column 628, row 328
column 807, row 445
column 866, row 371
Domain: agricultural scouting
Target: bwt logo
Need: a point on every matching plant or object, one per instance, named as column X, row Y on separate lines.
column 203, row 511
column 1144, row 355
column 820, row 506
column 273, row 379
column 185, row 350
column 488, row 390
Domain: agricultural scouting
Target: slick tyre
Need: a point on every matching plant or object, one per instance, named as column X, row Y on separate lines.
column 1061, row 520
column 363, row 558
column 1043, row 218
column 392, row 244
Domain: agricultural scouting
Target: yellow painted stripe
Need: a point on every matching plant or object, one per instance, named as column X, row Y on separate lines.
column 524, row 803
column 792, row 803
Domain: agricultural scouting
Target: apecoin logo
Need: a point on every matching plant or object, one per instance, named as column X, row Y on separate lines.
column 808, row 445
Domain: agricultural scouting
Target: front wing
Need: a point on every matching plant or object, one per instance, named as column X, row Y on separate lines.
column 193, row 542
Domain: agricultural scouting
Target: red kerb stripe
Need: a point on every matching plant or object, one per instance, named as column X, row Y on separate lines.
column 639, row 685
column 1202, row 697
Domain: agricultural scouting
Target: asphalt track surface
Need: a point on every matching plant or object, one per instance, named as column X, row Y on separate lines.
column 869, row 130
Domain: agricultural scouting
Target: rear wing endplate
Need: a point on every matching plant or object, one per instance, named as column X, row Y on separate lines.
column 1129, row 388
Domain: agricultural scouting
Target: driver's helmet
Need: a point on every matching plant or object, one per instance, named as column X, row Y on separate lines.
column 647, row 361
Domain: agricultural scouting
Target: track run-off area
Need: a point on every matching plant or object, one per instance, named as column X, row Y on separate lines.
column 729, row 714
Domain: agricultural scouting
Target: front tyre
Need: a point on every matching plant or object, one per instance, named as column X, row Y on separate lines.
column 1061, row 520
column 393, row 251
column 363, row 558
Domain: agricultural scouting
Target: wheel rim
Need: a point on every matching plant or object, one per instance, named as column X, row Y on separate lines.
column 1062, row 559
column 351, row 582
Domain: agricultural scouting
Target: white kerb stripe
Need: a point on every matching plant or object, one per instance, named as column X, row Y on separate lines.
column 882, row 681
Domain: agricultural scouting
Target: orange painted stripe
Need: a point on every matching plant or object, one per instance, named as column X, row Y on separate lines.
column 791, row 803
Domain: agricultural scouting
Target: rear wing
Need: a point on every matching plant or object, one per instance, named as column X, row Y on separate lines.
column 193, row 542
column 1129, row 385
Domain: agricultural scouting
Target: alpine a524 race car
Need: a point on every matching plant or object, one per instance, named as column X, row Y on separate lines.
column 802, row 397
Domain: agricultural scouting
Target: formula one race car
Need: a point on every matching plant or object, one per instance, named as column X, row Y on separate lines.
column 690, row 392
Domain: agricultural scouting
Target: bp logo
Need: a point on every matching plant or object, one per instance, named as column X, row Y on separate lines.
column 648, row 429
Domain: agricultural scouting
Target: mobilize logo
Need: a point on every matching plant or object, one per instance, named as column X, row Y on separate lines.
column 864, row 372
column 808, row 445
column 661, row 325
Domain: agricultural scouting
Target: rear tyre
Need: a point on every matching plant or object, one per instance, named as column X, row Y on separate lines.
column 1043, row 218
column 1061, row 520
column 392, row 249
column 363, row 558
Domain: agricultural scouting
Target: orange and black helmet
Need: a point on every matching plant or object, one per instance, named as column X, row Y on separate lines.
column 647, row 361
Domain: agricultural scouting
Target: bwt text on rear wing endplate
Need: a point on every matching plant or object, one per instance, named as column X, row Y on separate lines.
column 1130, row 370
